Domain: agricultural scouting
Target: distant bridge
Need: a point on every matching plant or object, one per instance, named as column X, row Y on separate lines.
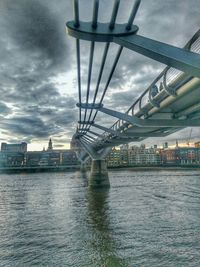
column 170, row 103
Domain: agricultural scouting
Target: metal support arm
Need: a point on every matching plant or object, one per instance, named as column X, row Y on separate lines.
column 108, row 130
column 151, row 122
column 88, row 148
column 130, row 134
column 94, row 133
column 178, row 58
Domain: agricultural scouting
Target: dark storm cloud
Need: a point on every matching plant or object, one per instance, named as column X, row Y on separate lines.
column 40, row 122
column 27, row 93
column 34, row 29
column 34, row 49
column 28, row 126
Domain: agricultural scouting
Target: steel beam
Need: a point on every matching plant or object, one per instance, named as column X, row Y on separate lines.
column 89, row 136
column 178, row 58
column 151, row 122
column 94, row 133
column 87, row 139
column 88, row 148
column 150, row 134
column 134, row 137
column 92, row 152
column 187, row 111
column 108, row 130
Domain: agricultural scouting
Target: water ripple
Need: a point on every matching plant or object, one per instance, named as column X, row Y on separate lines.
column 145, row 219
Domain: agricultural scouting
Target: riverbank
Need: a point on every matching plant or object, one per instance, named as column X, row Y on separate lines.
column 39, row 169
column 156, row 168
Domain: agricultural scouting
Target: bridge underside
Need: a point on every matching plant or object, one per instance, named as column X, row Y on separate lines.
column 170, row 103
column 184, row 107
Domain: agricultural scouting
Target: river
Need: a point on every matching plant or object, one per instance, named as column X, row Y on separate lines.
column 145, row 219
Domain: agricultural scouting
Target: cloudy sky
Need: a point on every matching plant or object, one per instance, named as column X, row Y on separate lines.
column 38, row 83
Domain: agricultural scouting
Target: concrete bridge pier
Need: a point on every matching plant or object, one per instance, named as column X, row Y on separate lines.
column 99, row 174
column 82, row 167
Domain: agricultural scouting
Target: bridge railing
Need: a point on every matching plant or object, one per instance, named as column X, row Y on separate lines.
column 167, row 82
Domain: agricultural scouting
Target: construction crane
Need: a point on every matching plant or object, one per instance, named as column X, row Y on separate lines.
column 189, row 138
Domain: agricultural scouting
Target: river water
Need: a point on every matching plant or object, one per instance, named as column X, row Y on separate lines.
column 145, row 219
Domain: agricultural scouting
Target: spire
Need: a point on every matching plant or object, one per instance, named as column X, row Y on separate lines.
column 50, row 146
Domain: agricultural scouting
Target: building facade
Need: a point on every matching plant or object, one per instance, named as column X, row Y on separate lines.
column 22, row 148
column 114, row 158
column 181, row 156
column 16, row 155
column 143, row 156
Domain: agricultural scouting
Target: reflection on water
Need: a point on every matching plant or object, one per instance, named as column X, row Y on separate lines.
column 103, row 244
column 83, row 175
column 144, row 219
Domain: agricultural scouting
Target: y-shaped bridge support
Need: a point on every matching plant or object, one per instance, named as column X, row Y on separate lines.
column 99, row 173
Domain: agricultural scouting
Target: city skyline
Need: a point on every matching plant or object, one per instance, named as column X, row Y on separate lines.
column 38, row 73
column 170, row 144
column 17, row 157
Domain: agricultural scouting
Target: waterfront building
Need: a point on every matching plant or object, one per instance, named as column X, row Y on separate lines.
column 22, row 148
column 51, row 158
column 132, row 153
column 197, row 144
column 165, row 145
column 181, row 156
column 189, row 155
column 44, row 159
column 114, row 158
column 16, row 155
column 33, row 158
column 69, row 157
column 124, row 155
column 143, row 156
column 170, row 156
column 11, row 159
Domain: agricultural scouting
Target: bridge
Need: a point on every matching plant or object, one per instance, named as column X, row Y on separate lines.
column 170, row 103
